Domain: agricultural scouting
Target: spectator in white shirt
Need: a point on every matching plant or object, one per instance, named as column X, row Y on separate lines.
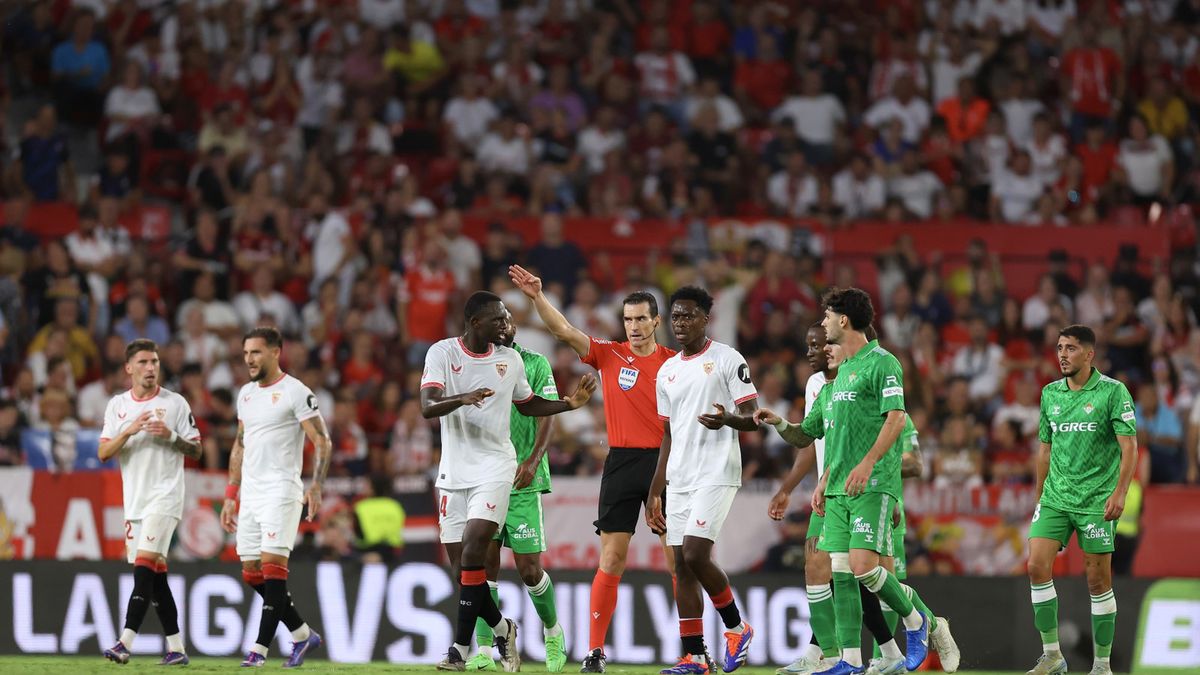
column 1017, row 190
column 1047, row 150
column 1144, row 163
column 262, row 303
column 1024, row 409
column 1020, row 107
column 1047, row 21
column 463, row 256
column 93, row 398
column 362, row 133
column 469, row 115
column 905, row 105
column 860, row 191
column 915, row 186
column 507, row 149
column 600, row 138
column 904, row 63
column 1006, row 15
column 1038, row 308
column 665, row 75
column 334, row 248
column 131, row 107
column 818, row 117
column 729, row 116
column 955, row 65
column 321, row 95
column 981, row 362
column 794, row 190
column 1095, row 302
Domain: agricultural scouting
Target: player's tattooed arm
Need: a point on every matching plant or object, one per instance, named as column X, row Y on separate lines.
column 314, row 427
column 193, row 449
column 435, row 403
column 541, row 407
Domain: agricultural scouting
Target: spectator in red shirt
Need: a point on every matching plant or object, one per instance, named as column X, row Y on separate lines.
column 127, row 24
column 1094, row 79
column 455, row 26
column 708, row 39
column 761, row 83
column 658, row 14
column 965, row 114
column 425, row 302
column 226, row 90
column 1099, row 156
column 775, row 292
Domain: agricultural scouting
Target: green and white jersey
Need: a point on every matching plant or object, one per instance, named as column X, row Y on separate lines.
column 1081, row 428
column 868, row 386
column 523, row 430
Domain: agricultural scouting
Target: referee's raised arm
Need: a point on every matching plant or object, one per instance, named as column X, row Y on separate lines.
column 556, row 323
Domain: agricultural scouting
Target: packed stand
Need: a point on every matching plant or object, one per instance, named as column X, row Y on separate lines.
column 319, row 160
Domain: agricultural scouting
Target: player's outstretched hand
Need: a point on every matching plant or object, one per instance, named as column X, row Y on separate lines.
column 582, row 393
column 715, row 420
column 655, row 519
column 856, row 482
column 476, row 397
column 524, row 280
column 1115, row 506
column 778, row 507
column 229, row 516
column 313, row 499
column 525, row 473
column 766, row 416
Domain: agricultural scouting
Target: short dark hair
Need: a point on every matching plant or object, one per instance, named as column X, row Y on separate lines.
column 854, row 304
column 139, row 345
column 638, row 297
column 477, row 302
column 696, row 294
column 870, row 333
column 267, row 334
column 1085, row 335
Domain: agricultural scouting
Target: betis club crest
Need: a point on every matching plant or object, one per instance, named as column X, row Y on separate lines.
column 501, row 369
column 1088, row 408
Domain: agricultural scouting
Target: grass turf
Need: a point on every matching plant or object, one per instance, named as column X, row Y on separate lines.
column 92, row 664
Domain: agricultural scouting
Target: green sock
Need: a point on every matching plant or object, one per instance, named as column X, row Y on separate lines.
column 824, row 626
column 892, row 619
column 1045, row 615
column 885, row 584
column 1104, row 623
column 543, row 600
column 917, row 602
column 848, row 610
column 483, row 632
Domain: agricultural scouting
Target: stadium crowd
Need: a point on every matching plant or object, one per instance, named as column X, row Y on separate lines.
column 319, row 158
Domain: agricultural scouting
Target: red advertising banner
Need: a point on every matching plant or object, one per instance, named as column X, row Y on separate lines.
column 64, row 516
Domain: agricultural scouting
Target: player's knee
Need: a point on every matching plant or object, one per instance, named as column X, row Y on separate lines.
column 530, row 571
column 612, row 560
column 252, row 564
column 862, row 566
column 1040, row 571
column 696, row 555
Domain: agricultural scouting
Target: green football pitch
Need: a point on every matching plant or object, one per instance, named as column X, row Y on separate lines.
column 20, row 665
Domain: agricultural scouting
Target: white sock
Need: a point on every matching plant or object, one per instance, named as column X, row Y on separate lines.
column 486, row 650
column 913, row 621
column 463, row 650
column 127, row 637
column 738, row 629
column 1102, row 660
column 302, row 633
column 553, row 631
column 813, row 652
column 259, row 649
column 891, row 650
column 853, row 656
column 175, row 643
column 496, row 627
column 1050, row 648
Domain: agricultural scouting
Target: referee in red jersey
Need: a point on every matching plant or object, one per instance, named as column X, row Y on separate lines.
column 627, row 373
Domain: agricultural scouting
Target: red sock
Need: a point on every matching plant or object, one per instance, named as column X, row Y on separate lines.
column 604, row 602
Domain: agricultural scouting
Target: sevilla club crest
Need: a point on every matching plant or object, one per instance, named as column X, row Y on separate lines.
column 501, row 369
column 708, row 367
column 275, row 397
column 160, row 413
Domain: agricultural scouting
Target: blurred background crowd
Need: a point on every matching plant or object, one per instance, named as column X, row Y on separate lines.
column 318, row 159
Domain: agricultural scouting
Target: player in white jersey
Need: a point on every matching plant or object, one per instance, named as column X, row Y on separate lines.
column 275, row 414
column 700, row 468
column 150, row 430
column 472, row 384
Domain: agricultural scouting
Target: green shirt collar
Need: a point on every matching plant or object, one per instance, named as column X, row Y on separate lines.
column 1092, row 382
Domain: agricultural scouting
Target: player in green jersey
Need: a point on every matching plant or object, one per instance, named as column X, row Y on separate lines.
column 1086, row 460
column 524, row 528
column 860, row 424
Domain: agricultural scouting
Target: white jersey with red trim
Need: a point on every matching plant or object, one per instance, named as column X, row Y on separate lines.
column 273, row 440
column 476, row 447
column 688, row 386
column 812, row 389
column 151, row 471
